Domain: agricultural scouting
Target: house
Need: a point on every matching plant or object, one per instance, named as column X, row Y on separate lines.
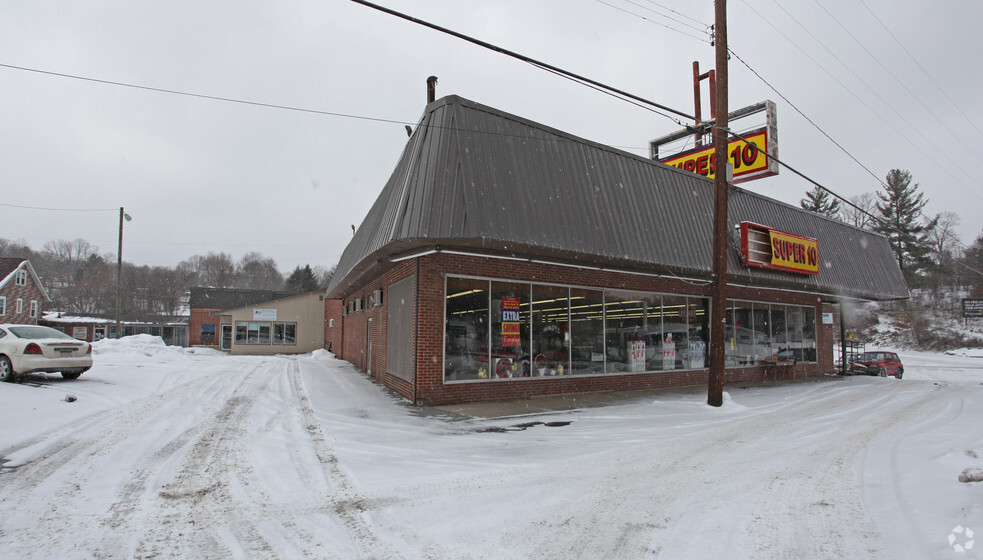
column 506, row 259
column 21, row 292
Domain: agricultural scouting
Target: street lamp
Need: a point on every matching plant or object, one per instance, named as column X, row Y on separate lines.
column 119, row 271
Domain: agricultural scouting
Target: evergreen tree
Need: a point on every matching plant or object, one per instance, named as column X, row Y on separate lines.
column 302, row 279
column 821, row 202
column 900, row 210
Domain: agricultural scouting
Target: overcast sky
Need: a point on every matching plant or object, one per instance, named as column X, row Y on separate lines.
column 895, row 82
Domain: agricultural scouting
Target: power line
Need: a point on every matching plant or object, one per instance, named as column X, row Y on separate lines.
column 899, row 81
column 669, row 27
column 900, row 134
column 874, row 91
column 803, row 115
column 523, row 58
column 201, row 95
column 61, row 209
column 922, row 68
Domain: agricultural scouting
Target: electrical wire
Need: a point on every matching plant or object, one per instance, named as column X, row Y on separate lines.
column 201, row 95
column 899, row 81
column 887, row 104
column 922, row 68
column 669, row 27
column 61, row 209
column 523, row 58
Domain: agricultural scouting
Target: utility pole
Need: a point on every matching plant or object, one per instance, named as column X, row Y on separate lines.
column 718, row 301
column 119, row 273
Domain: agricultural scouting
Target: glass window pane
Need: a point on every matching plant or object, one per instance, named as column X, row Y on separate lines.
column 674, row 351
column 744, row 342
column 698, row 320
column 586, row 331
column 466, row 334
column 633, row 338
column 795, row 319
column 509, row 329
column 809, row 335
column 550, row 330
column 762, row 331
column 779, row 336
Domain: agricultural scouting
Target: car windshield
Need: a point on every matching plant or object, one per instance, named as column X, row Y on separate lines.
column 38, row 332
column 872, row 356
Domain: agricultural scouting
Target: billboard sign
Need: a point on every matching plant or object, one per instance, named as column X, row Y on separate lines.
column 749, row 156
column 972, row 308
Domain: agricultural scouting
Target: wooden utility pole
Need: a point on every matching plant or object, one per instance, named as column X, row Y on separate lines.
column 718, row 302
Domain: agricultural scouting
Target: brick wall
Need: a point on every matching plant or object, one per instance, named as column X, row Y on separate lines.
column 26, row 294
column 430, row 388
column 199, row 317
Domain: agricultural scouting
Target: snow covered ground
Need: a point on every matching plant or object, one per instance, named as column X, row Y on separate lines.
column 168, row 453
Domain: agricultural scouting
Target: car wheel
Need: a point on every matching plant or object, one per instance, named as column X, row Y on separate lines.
column 71, row 374
column 900, row 373
column 6, row 369
column 882, row 372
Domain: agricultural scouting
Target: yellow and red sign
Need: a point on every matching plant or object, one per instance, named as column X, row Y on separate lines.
column 767, row 247
column 794, row 253
column 749, row 157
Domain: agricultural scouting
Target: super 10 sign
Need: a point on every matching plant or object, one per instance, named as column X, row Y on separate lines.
column 748, row 156
column 766, row 247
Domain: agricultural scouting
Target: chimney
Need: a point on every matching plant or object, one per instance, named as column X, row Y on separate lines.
column 431, row 89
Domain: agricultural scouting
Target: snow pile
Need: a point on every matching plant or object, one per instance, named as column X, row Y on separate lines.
column 136, row 345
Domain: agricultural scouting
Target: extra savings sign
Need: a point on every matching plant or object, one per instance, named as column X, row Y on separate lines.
column 767, row 247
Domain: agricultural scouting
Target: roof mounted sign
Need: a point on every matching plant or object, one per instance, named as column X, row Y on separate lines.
column 752, row 154
column 767, row 247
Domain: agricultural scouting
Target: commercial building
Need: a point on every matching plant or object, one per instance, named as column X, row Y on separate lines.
column 506, row 259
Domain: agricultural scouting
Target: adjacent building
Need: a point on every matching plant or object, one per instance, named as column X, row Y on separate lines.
column 21, row 293
column 506, row 259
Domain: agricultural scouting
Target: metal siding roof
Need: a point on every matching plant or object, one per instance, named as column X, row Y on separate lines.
column 475, row 177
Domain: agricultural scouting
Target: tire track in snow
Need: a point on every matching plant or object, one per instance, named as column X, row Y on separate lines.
column 61, row 487
column 351, row 507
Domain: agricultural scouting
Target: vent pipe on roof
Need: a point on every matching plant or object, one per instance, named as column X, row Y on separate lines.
column 431, row 89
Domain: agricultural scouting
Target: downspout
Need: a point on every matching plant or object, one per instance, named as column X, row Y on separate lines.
column 416, row 329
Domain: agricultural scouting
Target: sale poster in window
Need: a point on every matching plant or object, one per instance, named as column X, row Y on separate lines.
column 510, row 322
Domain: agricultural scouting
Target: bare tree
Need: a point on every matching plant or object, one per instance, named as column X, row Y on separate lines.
column 257, row 272
column 864, row 205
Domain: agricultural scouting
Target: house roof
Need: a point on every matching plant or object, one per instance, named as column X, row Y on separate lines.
column 473, row 177
column 10, row 265
column 229, row 298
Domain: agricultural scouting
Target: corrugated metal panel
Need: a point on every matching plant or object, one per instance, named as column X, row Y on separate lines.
column 472, row 176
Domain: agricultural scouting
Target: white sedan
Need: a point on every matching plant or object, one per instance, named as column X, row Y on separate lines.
column 33, row 348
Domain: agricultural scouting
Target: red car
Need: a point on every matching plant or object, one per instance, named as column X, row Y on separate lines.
column 878, row 363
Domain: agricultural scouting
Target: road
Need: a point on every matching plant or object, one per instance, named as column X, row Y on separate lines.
column 283, row 457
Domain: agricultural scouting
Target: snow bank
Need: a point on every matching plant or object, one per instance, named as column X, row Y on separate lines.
column 137, row 345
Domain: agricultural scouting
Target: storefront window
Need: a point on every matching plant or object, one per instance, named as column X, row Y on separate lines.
column 795, row 319
column 744, row 333
column 762, row 331
column 633, row 331
column 510, row 329
column 550, row 330
column 586, row 331
column 252, row 332
column 503, row 330
column 466, row 335
column 779, row 337
column 809, row 335
column 673, row 348
column 284, row 333
column 698, row 321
